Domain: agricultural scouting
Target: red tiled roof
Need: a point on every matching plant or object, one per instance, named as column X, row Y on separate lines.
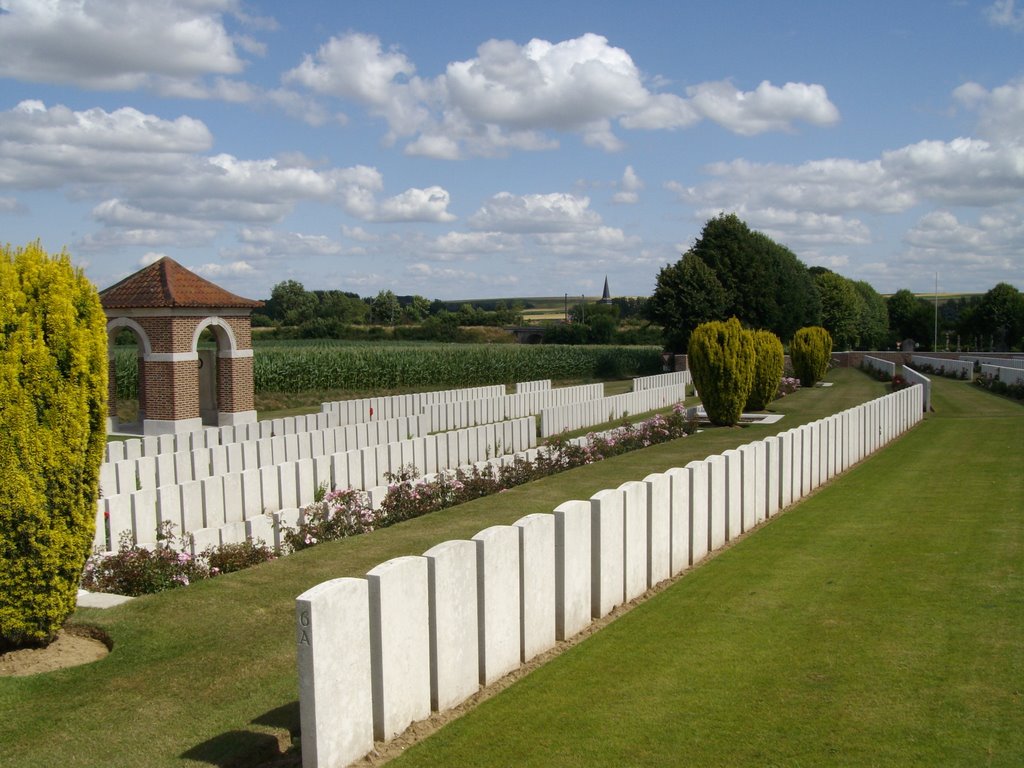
column 166, row 284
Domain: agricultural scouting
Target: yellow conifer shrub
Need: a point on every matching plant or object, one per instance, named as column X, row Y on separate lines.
column 769, row 364
column 721, row 361
column 53, row 409
column 811, row 350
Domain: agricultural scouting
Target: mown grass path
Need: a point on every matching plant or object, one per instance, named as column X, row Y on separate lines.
column 877, row 623
column 206, row 675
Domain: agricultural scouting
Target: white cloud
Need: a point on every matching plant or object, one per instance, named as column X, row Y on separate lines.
column 940, row 240
column 359, row 234
column 565, row 85
column 1000, row 111
column 232, row 269
column 554, row 212
column 512, row 96
column 356, row 68
column 454, row 245
column 1003, row 13
column 804, row 228
column 833, row 186
column 352, row 67
column 264, row 244
column 963, row 171
column 11, row 205
column 629, row 188
column 594, row 242
column 453, row 282
column 115, row 44
column 767, row 108
column 150, row 258
column 430, row 204
column 44, row 146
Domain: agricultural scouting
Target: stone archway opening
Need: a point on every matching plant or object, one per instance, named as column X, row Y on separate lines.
column 206, row 349
column 127, row 348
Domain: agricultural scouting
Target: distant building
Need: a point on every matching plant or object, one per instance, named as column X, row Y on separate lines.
column 606, row 297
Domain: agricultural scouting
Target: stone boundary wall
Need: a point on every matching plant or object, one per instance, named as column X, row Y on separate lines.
column 1006, row 374
column 392, row 406
column 660, row 380
column 1002, row 362
column 915, row 377
column 878, row 364
column 585, row 414
column 945, row 366
column 423, row 633
column 260, row 501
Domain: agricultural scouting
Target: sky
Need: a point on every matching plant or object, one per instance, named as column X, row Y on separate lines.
column 463, row 150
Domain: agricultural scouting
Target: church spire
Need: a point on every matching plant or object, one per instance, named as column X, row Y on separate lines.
column 606, row 297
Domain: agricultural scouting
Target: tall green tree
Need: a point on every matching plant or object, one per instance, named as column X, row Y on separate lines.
column 291, row 304
column 910, row 317
column 53, row 410
column 385, row 308
column 766, row 285
column 874, row 322
column 842, row 308
column 1000, row 316
column 687, row 294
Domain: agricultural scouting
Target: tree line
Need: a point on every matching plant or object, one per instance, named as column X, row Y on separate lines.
column 733, row 271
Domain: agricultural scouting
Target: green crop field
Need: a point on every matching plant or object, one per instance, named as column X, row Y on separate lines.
column 299, row 366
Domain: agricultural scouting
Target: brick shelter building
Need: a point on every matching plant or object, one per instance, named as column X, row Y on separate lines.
column 182, row 387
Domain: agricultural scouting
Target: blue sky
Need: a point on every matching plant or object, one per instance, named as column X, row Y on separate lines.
column 470, row 150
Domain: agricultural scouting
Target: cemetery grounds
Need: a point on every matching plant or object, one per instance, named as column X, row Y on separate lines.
column 876, row 623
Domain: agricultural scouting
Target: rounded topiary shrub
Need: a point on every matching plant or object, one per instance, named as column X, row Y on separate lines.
column 721, row 360
column 810, row 350
column 768, row 367
column 53, row 376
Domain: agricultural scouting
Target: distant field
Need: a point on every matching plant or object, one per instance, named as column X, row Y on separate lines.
column 299, row 365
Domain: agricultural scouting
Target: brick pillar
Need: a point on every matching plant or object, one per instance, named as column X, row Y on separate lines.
column 235, row 384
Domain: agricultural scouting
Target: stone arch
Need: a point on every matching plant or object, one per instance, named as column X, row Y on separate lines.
column 221, row 330
column 145, row 349
column 212, row 376
column 118, row 323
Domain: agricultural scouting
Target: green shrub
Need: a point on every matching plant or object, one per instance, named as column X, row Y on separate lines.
column 53, row 410
column 721, row 359
column 810, row 351
column 768, row 366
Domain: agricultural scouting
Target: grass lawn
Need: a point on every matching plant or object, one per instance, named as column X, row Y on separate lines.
column 796, row 615
column 878, row 623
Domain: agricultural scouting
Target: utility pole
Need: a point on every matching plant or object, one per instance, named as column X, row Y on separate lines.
column 935, row 338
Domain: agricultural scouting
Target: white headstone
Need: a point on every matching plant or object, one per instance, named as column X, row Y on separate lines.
column 606, row 555
column 499, row 600
column 537, row 577
column 335, row 690
column 454, row 623
column 399, row 644
column 572, row 568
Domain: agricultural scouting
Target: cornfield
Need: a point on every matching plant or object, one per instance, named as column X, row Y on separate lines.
column 305, row 366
